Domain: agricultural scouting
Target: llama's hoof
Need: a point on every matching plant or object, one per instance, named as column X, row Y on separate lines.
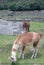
column 31, row 57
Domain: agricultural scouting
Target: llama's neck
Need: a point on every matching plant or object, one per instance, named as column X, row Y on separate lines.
column 14, row 50
column 15, row 46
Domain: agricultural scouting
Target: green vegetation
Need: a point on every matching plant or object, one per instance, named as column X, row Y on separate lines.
column 6, row 43
column 16, row 5
column 37, row 27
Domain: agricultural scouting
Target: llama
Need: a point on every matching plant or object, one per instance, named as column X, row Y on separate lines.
column 22, row 41
column 26, row 26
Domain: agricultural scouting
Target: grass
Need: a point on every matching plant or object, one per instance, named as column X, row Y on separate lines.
column 6, row 43
column 37, row 27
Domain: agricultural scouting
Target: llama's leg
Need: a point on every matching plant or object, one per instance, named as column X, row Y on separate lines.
column 23, row 52
column 33, row 53
column 36, row 50
column 20, row 53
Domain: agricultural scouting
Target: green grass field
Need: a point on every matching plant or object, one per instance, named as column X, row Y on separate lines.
column 6, row 43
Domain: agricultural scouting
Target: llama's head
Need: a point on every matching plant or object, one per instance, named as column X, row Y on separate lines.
column 12, row 58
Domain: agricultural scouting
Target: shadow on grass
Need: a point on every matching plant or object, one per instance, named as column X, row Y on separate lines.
column 13, row 63
column 17, row 63
column 21, row 63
